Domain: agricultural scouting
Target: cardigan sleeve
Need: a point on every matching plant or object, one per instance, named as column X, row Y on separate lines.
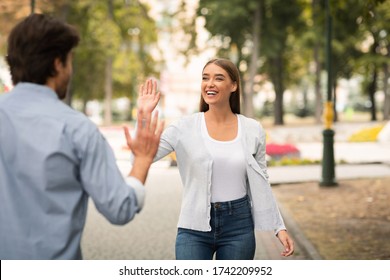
column 260, row 155
column 167, row 144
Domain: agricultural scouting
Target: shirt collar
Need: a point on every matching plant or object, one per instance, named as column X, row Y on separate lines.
column 24, row 87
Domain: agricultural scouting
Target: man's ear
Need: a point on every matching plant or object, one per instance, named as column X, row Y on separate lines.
column 58, row 65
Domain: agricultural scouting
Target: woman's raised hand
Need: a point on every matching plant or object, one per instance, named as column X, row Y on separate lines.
column 148, row 96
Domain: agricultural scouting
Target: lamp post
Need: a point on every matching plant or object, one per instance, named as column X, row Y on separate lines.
column 32, row 6
column 328, row 163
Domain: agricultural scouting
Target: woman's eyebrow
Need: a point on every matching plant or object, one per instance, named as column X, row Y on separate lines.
column 217, row 75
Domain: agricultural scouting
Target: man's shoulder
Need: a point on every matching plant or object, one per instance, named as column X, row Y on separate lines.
column 75, row 122
column 78, row 120
column 3, row 98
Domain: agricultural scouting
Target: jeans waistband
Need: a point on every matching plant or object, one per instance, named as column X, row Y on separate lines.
column 230, row 204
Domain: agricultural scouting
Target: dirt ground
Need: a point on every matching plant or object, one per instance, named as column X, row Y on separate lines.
column 348, row 222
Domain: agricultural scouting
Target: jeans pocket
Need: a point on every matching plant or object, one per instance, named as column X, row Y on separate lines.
column 242, row 212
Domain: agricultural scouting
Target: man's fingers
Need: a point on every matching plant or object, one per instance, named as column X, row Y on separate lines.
column 149, row 86
column 160, row 129
column 147, row 123
column 154, row 87
column 154, row 122
column 157, row 96
column 140, row 90
column 128, row 137
column 143, row 120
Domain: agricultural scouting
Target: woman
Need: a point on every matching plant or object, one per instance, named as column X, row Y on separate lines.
column 221, row 160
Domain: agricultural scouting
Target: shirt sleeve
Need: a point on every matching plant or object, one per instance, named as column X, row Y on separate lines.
column 139, row 189
column 114, row 197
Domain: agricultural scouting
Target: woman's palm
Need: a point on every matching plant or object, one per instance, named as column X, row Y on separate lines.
column 148, row 96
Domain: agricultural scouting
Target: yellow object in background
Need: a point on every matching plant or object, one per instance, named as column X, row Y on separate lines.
column 366, row 135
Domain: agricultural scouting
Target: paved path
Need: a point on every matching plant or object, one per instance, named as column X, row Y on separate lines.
column 151, row 235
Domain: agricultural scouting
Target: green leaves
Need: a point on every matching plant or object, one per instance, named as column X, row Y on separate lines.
column 123, row 31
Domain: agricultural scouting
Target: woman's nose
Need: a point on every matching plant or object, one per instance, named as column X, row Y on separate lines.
column 210, row 83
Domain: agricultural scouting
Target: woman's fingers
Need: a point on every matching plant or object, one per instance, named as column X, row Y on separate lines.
column 148, row 88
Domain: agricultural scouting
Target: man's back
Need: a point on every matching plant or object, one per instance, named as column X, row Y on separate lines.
column 41, row 192
column 51, row 159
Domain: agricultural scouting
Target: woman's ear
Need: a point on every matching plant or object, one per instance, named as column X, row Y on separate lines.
column 234, row 87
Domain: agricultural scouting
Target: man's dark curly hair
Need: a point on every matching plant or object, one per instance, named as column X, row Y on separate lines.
column 35, row 43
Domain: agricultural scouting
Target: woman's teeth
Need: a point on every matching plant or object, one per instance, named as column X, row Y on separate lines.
column 211, row 93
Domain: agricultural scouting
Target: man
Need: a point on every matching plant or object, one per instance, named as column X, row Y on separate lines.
column 52, row 158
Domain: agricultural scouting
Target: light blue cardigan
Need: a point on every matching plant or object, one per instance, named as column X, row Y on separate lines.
column 195, row 167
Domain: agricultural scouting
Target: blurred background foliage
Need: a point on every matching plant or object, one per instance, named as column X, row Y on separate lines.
column 273, row 42
column 114, row 53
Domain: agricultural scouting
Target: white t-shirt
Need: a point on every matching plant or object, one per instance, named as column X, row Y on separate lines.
column 228, row 180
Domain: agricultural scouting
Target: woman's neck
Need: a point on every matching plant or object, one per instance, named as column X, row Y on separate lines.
column 220, row 115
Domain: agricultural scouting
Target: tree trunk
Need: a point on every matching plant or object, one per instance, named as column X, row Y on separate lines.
column 84, row 107
column 248, row 100
column 317, row 70
column 68, row 96
column 108, row 77
column 335, row 114
column 371, row 93
column 372, row 86
column 32, row 5
column 386, row 89
column 108, row 92
column 277, row 80
column 63, row 9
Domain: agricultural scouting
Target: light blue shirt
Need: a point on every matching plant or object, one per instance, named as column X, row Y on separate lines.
column 52, row 158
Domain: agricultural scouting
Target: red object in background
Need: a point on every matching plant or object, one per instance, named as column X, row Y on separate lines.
column 278, row 150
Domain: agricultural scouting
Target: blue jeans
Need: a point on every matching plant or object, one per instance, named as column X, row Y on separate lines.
column 232, row 235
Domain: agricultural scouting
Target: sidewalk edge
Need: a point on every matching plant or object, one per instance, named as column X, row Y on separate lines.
column 298, row 236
